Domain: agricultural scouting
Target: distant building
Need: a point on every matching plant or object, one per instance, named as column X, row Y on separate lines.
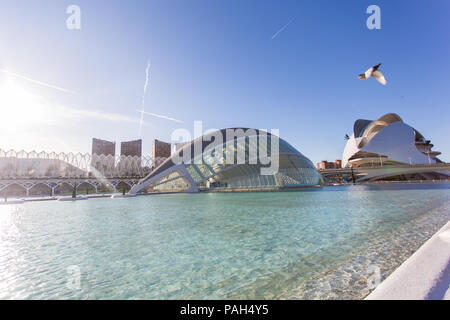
column 130, row 167
column 100, row 150
column 131, row 148
column 100, row 147
column 323, row 165
column 161, row 151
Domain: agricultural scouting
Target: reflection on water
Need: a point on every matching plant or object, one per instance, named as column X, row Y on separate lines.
column 304, row 244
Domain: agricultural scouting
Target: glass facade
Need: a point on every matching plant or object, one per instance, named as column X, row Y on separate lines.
column 236, row 165
column 173, row 182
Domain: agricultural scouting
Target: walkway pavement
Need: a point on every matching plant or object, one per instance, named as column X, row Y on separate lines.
column 424, row 276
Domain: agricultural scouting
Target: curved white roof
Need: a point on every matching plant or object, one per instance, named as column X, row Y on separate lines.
column 388, row 137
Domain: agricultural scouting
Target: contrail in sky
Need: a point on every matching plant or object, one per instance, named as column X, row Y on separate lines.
column 159, row 116
column 37, row 82
column 143, row 97
column 146, row 82
column 284, row 27
column 142, row 111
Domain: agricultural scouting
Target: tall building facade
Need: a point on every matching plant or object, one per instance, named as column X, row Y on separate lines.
column 323, row 165
column 104, row 147
column 161, row 151
column 131, row 148
column 100, row 150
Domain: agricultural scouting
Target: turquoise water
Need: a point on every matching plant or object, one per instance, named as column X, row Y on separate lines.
column 299, row 244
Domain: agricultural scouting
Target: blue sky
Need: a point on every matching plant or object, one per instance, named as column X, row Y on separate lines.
column 215, row 61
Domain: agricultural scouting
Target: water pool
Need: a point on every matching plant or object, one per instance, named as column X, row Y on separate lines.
column 265, row 245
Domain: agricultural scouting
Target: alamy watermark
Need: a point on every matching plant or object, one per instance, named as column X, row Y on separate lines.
column 374, row 20
column 73, row 22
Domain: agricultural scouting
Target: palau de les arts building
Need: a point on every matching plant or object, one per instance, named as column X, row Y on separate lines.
column 388, row 141
column 236, row 164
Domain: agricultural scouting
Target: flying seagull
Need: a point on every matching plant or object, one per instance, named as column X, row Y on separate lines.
column 374, row 73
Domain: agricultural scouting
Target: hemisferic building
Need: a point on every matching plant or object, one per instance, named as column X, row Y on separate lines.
column 234, row 159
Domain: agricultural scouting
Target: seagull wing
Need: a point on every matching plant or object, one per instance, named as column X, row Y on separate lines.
column 379, row 77
column 369, row 72
column 362, row 76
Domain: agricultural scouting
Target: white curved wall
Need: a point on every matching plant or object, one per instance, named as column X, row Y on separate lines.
column 396, row 141
column 350, row 149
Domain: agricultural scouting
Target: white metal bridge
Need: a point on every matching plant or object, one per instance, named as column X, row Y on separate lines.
column 24, row 172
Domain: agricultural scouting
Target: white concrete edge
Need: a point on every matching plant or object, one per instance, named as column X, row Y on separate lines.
column 423, row 276
column 78, row 198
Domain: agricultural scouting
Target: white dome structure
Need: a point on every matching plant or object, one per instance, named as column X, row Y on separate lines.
column 231, row 160
column 387, row 140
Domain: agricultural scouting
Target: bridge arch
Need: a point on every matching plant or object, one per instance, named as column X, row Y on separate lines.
column 40, row 189
column 87, row 187
column 123, row 185
column 63, row 187
column 13, row 189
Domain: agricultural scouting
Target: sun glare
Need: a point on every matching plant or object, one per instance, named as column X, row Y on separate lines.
column 20, row 108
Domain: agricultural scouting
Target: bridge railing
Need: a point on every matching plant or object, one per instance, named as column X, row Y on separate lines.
column 437, row 165
column 29, row 165
column 408, row 181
